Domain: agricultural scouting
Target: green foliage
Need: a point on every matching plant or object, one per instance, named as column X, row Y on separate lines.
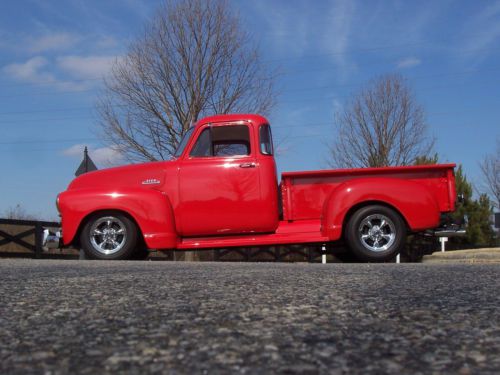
column 478, row 211
column 427, row 160
column 479, row 230
column 463, row 186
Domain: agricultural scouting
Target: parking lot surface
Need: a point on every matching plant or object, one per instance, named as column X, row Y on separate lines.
column 60, row 316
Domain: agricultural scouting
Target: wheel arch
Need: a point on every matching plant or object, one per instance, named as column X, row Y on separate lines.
column 363, row 204
column 76, row 239
column 149, row 209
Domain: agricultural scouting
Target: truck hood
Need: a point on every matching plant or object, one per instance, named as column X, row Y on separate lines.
column 147, row 175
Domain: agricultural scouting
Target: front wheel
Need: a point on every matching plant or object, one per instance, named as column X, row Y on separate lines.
column 110, row 236
column 375, row 233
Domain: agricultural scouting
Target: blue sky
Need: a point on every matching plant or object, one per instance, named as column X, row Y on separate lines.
column 53, row 55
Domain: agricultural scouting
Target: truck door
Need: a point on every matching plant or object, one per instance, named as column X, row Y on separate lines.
column 219, row 183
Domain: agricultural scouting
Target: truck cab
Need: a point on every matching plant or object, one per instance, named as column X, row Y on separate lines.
column 227, row 167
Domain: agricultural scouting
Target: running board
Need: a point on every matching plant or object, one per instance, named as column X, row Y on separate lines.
column 251, row 240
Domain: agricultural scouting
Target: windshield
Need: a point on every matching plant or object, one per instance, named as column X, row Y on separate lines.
column 183, row 142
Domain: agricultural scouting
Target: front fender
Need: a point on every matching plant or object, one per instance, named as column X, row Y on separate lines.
column 415, row 202
column 151, row 210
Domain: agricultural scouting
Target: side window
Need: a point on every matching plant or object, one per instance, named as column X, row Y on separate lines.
column 184, row 141
column 203, row 146
column 232, row 140
column 265, row 140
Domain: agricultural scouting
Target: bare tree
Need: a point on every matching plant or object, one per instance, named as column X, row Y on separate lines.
column 381, row 126
column 194, row 59
column 490, row 169
column 18, row 213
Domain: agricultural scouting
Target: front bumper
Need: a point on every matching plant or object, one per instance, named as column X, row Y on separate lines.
column 52, row 239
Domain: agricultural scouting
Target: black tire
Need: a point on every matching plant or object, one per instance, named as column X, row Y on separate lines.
column 141, row 252
column 109, row 236
column 375, row 233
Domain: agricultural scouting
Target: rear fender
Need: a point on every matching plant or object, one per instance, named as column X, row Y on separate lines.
column 415, row 202
column 151, row 210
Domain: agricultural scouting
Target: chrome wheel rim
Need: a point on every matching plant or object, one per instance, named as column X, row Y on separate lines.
column 377, row 232
column 108, row 235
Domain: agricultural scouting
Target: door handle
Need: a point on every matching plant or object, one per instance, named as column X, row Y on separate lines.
column 247, row 165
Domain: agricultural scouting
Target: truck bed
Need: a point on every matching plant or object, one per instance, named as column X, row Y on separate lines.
column 304, row 192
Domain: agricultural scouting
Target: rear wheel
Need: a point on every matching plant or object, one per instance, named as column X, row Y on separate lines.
column 110, row 236
column 375, row 233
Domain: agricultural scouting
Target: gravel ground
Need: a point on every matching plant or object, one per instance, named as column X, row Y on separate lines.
column 89, row 317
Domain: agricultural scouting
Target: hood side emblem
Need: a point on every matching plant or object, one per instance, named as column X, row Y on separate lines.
column 151, row 181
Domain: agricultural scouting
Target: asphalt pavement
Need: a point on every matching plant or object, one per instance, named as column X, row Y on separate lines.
column 92, row 317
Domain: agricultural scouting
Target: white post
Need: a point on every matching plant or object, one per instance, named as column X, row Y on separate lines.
column 398, row 259
column 323, row 255
column 443, row 241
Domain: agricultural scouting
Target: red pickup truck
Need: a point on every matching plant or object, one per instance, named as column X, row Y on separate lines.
column 221, row 190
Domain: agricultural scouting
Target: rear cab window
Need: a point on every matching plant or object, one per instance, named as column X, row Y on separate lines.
column 265, row 140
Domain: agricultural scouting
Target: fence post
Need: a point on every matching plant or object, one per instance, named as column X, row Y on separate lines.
column 277, row 255
column 38, row 240
column 443, row 241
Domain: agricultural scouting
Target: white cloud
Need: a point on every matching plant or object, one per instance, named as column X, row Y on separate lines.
column 287, row 33
column 408, row 62
column 304, row 29
column 28, row 71
column 337, row 32
column 36, row 70
column 52, row 42
column 337, row 107
column 139, row 7
column 106, row 156
column 84, row 71
column 282, row 148
column 416, row 24
column 3, row 39
column 106, row 42
column 86, row 66
column 481, row 33
column 75, row 150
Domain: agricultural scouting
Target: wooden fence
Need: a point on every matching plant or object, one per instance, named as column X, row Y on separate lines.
column 23, row 236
